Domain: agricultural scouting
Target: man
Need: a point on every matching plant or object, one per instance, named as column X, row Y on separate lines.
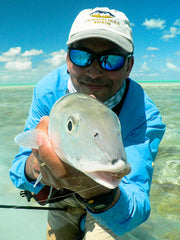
column 99, row 62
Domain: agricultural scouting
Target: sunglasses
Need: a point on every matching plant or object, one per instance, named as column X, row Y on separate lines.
column 108, row 61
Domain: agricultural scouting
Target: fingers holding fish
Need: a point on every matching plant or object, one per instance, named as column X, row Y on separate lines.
column 49, row 166
column 50, row 159
column 47, row 178
column 32, row 168
column 45, row 153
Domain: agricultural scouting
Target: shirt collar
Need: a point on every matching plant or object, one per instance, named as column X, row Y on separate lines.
column 111, row 102
column 71, row 88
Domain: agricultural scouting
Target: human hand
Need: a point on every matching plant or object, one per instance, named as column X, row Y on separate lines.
column 45, row 155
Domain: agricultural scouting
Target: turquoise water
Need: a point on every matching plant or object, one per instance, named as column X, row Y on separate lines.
column 164, row 222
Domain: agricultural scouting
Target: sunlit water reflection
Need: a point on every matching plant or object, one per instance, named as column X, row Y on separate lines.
column 164, row 222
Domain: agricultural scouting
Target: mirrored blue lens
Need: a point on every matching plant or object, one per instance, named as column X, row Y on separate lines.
column 80, row 57
column 112, row 62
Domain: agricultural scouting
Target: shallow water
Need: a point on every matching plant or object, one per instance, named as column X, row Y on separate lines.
column 164, row 222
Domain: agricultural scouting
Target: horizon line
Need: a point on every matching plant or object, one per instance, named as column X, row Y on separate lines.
column 144, row 81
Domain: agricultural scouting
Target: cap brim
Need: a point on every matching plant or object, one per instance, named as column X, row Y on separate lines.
column 101, row 33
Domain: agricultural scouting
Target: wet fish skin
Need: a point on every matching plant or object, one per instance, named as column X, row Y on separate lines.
column 87, row 135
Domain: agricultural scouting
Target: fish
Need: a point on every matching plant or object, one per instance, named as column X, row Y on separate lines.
column 85, row 134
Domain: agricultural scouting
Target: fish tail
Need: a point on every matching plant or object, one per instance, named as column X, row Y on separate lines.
column 28, row 139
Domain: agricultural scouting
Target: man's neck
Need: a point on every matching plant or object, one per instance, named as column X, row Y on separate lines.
column 111, row 102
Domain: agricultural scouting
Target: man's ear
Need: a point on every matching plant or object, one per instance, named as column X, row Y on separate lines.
column 129, row 66
column 68, row 63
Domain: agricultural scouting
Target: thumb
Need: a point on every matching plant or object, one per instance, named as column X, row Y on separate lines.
column 49, row 157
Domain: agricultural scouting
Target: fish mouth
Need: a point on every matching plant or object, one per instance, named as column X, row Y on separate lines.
column 108, row 179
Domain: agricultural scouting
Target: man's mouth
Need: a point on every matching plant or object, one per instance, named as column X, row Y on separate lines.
column 94, row 87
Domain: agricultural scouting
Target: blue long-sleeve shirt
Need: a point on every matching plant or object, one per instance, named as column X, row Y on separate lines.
column 142, row 131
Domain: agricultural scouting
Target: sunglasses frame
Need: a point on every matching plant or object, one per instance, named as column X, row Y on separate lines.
column 98, row 57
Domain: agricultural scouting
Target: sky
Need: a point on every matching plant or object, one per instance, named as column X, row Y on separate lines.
column 33, row 35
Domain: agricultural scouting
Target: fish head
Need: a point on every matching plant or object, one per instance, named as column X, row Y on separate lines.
column 87, row 135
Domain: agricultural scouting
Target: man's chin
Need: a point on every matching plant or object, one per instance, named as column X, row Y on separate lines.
column 100, row 92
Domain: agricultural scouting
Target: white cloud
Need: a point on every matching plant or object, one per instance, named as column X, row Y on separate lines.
column 12, row 52
column 4, row 59
column 173, row 31
column 177, row 22
column 152, row 49
column 154, row 23
column 177, row 53
column 172, row 67
column 57, row 58
column 18, row 66
column 148, row 56
column 32, row 52
column 144, row 67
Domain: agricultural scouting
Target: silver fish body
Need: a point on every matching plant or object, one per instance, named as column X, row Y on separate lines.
column 87, row 135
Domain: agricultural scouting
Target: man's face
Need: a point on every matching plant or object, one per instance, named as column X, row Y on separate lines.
column 93, row 79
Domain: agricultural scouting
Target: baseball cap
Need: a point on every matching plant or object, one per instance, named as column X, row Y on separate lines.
column 102, row 23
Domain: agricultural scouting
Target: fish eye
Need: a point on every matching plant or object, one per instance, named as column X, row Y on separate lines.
column 72, row 124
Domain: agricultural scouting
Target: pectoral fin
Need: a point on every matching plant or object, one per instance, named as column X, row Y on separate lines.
column 28, row 139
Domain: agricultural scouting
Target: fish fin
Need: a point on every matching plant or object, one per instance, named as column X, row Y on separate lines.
column 28, row 139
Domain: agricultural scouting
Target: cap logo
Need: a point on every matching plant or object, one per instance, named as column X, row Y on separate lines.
column 101, row 17
column 101, row 14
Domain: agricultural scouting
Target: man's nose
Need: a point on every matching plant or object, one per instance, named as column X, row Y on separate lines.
column 94, row 70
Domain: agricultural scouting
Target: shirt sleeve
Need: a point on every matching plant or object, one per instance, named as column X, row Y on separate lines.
column 133, row 206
